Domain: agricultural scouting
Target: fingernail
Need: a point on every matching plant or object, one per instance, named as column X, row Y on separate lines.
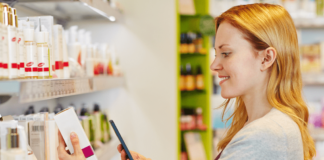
column 73, row 135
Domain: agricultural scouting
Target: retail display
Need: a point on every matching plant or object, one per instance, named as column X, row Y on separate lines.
column 194, row 82
column 192, row 119
column 190, row 81
column 34, row 136
column 191, row 43
column 55, row 51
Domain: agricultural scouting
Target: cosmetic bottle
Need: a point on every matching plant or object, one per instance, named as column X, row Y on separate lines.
column 66, row 69
column 183, row 45
column 190, row 79
column 82, row 42
column 31, row 70
column 12, row 44
column 43, row 56
column 58, row 50
column 199, row 79
column 182, row 82
column 5, row 48
column 199, row 43
column 190, row 41
column 200, row 123
column 2, row 28
column 13, row 151
column 74, row 48
column 21, row 55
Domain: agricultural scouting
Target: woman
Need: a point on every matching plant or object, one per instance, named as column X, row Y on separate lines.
column 258, row 60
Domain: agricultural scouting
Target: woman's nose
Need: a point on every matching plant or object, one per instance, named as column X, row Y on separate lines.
column 216, row 65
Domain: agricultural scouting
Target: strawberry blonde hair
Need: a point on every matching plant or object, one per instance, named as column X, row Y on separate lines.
column 268, row 25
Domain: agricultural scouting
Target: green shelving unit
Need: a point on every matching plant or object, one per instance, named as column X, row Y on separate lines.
column 194, row 99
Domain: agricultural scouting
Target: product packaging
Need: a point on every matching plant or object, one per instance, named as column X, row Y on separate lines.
column 74, row 47
column 58, row 50
column 31, row 70
column 43, row 55
column 67, row 122
column 12, row 44
column 4, row 46
column 66, row 69
column 21, row 54
column 37, row 136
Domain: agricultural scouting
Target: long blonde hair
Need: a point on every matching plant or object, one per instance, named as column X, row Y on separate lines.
column 267, row 25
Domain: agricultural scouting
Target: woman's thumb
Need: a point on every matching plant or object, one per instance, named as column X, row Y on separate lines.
column 75, row 143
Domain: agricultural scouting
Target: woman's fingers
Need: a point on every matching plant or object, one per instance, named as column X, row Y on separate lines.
column 61, row 141
column 123, row 155
column 119, row 148
column 75, row 143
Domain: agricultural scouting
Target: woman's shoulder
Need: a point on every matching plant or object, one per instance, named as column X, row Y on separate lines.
column 275, row 123
column 274, row 136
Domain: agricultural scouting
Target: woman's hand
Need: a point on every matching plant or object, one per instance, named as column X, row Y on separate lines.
column 63, row 154
column 135, row 155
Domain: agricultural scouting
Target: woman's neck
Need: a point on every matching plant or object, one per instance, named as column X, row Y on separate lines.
column 256, row 104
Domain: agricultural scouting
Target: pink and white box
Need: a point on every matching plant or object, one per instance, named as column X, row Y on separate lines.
column 67, row 121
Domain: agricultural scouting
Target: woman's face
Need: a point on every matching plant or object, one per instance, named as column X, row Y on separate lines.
column 236, row 62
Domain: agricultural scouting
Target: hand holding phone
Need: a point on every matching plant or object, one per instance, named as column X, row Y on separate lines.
column 128, row 154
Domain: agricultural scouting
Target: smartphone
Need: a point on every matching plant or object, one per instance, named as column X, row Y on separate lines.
column 128, row 154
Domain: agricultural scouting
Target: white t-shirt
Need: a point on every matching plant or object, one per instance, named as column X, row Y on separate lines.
column 274, row 136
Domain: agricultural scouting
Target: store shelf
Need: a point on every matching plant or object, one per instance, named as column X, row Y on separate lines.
column 67, row 10
column 313, row 79
column 317, row 134
column 37, row 90
column 316, row 22
column 108, row 150
column 192, row 54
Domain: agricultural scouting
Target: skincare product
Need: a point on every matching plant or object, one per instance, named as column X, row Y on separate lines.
column 12, row 44
column 31, row 70
column 67, row 122
column 43, row 56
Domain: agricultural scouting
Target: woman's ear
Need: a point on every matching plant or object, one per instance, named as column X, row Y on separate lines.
column 268, row 57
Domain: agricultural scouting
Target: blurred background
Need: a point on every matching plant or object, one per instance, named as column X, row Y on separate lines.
column 148, row 70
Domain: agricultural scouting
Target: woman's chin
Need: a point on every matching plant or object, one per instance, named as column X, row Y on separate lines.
column 227, row 95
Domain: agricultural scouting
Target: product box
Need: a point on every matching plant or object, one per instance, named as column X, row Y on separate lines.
column 67, row 122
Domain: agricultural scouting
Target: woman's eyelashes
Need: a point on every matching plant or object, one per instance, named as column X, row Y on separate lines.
column 225, row 54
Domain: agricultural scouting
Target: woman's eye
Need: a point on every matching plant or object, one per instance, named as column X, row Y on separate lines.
column 225, row 54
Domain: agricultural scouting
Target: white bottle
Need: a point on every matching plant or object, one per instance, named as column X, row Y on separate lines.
column 31, row 70
column 2, row 28
column 58, row 50
column 21, row 55
column 74, row 48
column 66, row 69
column 12, row 43
column 43, row 56
column 4, row 47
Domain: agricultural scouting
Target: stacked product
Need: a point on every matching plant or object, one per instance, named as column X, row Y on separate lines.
column 36, row 48
column 34, row 136
column 192, row 119
column 191, row 43
column 190, row 81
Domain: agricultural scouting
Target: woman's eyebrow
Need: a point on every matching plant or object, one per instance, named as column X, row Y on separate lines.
column 220, row 47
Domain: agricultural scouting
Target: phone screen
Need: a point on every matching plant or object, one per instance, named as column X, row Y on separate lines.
column 129, row 156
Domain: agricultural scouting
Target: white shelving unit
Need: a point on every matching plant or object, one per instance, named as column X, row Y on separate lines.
column 69, row 10
column 316, row 22
column 37, row 90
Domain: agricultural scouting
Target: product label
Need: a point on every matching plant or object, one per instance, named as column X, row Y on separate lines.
column 5, row 53
column 21, row 55
column 43, row 61
column 1, row 51
column 12, row 61
column 37, row 138
column 31, row 67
